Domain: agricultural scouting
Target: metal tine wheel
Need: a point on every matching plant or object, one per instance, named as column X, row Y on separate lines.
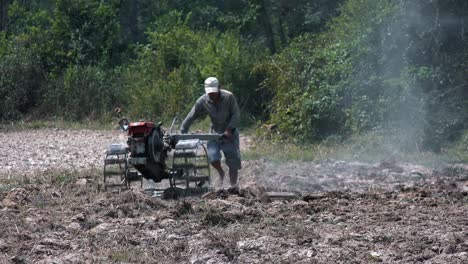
column 115, row 167
column 117, row 172
column 190, row 164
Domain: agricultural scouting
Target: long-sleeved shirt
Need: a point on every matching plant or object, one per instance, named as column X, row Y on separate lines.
column 223, row 113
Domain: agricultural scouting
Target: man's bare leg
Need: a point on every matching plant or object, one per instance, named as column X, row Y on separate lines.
column 233, row 174
column 219, row 169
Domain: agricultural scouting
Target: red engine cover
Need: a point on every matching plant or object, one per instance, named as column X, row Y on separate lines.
column 140, row 128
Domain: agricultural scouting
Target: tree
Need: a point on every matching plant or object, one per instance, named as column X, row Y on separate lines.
column 85, row 32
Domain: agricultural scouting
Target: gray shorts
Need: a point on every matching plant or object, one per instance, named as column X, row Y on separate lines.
column 230, row 149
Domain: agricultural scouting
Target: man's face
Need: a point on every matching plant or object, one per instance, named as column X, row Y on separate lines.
column 214, row 96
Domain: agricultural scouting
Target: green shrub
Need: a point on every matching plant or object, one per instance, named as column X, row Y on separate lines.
column 21, row 80
column 168, row 76
column 371, row 71
column 84, row 32
column 83, row 92
column 318, row 83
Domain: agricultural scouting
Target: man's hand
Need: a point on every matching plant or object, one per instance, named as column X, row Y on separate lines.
column 227, row 133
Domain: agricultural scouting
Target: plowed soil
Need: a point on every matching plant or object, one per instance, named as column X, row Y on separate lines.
column 344, row 212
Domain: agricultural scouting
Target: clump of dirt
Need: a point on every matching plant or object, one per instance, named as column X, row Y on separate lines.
column 15, row 197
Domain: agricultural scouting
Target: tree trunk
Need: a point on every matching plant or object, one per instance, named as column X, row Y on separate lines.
column 133, row 21
column 281, row 31
column 266, row 22
column 3, row 14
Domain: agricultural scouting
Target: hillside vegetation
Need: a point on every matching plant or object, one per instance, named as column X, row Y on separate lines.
column 320, row 70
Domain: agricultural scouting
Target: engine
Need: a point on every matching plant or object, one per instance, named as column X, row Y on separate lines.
column 148, row 151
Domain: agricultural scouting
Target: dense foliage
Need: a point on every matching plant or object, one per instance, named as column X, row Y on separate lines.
column 318, row 69
column 394, row 67
column 148, row 57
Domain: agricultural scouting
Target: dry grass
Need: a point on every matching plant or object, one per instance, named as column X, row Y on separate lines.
column 371, row 147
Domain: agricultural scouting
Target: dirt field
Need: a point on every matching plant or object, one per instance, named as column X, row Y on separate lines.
column 345, row 212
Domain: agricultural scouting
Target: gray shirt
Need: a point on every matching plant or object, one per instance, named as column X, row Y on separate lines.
column 223, row 114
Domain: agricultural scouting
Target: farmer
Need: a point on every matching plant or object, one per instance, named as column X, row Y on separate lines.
column 221, row 106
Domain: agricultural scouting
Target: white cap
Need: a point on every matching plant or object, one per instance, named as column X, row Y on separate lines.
column 211, row 85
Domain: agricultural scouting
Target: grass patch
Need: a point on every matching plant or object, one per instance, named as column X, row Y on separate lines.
column 371, row 147
column 64, row 177
column 281, row 152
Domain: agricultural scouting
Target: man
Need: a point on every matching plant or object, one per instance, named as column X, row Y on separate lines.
column 221, row 106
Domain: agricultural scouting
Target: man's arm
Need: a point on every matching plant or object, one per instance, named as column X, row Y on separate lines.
column 196, row 112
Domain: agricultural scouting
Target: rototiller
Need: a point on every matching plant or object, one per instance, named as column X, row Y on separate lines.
column 152, row 154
